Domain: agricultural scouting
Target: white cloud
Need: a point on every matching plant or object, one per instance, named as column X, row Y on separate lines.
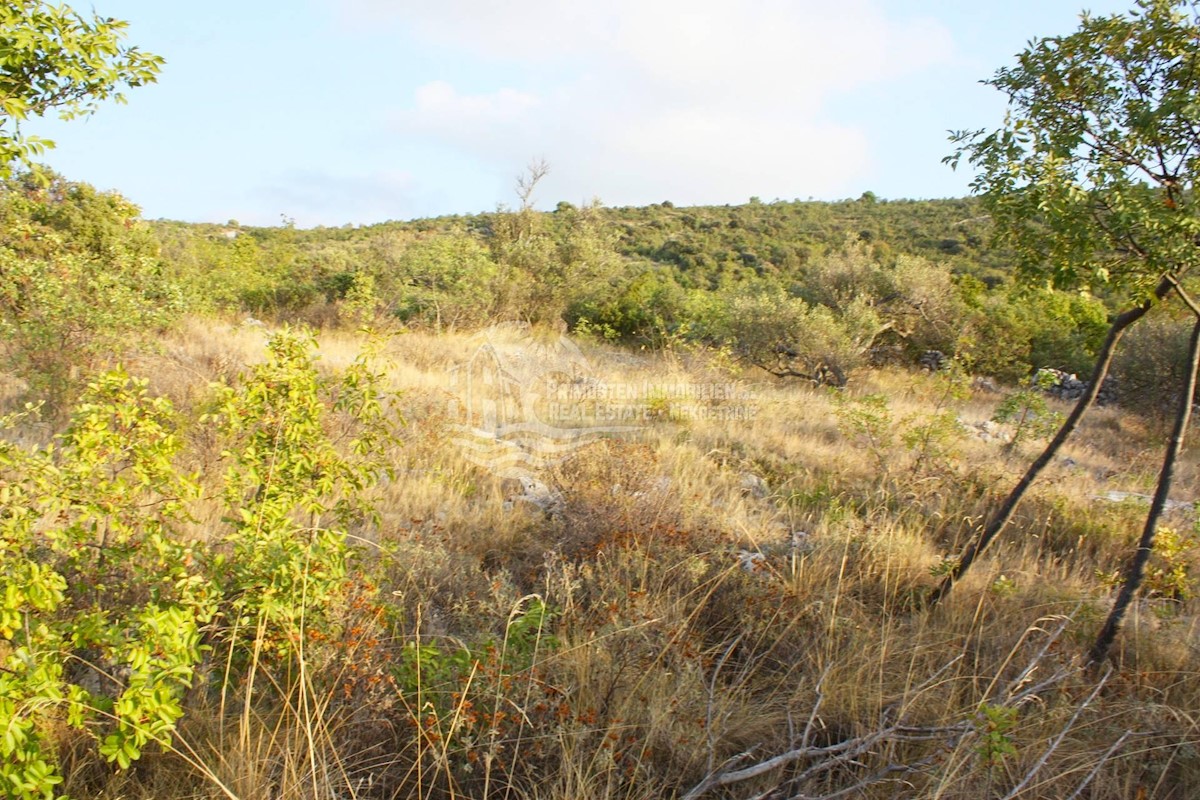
column 637, row 100
column 489, row 125
column 439, row 100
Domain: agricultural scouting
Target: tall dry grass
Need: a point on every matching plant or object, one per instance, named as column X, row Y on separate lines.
column 711, row 607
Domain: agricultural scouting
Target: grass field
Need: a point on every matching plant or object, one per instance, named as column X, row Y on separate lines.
column 724, row 602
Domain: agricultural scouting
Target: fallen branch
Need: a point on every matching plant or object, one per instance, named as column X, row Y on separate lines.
column 834, row 755
column 1041, row 762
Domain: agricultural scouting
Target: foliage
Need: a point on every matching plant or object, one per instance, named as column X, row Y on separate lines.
column 786, row 336
column 445, row 280
column 1092, row 182
column 910, row 299
column 1169, row 573
column 102, row 595
column 647, row 309
column 1091, row 179
column 933, row 438
column 362, row 303
column 463, row 697
column 996, row 724
column 546, row 263
column 1010, row 332
column 77, row 281
column 868, row 421
column 56, row 59
column 291, row 493
column 877, row 267
column 102, row 599
column 1028, row 413
column 929, row 440
column 1153, row 355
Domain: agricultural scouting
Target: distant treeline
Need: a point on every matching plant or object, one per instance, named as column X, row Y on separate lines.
column 809, row 289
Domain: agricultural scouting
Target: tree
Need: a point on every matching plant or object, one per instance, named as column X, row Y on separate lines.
column 1135, row 570
column 788, row 337
column 79, row 279
column 446, row 279
column 1091, row 180
column 53, row 58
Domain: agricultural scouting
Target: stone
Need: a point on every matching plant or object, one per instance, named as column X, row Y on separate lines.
column 1068, row 387
column 537, row 494
column 754, row 486
column 934, row 360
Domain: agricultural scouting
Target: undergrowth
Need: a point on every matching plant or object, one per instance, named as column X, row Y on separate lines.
column 295, row 585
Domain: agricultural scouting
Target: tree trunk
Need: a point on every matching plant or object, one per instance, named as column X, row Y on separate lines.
column 1137, row 565
column 1005, row 512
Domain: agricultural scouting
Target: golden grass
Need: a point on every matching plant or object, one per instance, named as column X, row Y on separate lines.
column 700, row 614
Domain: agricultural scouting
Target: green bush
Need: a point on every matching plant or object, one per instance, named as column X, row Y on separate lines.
column 446, row 281
column 77, row 283
column 648, row 309
column 101, row 600
column 291, row 494
column 786, row 336
column 1009, row 334
column 103, row 596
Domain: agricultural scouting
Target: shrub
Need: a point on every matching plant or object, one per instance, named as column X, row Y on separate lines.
column 444, row 281
column 101, row 602
column 76, row 283
column 786, row 336
column 1009, row 334
column 1153, row 355
column 102, row 596
column 1029, row 415
column 648, row 309
column 291, row 494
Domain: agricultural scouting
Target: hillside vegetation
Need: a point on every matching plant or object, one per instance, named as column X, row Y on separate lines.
column 248, row 558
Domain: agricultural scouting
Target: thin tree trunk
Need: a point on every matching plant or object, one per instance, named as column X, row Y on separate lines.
column 1137, row 565
column 1005, row 512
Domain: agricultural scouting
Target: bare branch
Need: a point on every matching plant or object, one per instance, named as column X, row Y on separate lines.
column 1041, row 762
column 1103, row 760
column 528, row 180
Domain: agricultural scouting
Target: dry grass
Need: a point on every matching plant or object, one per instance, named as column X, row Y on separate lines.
column 722, row 592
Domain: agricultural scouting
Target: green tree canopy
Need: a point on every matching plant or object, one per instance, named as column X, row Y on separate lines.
column 53, row 58
column 1091, row 181
column 1091, row 178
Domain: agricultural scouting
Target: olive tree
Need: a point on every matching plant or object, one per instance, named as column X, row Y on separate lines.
column 770, row 328
column 1090, row 181
column 53, row 58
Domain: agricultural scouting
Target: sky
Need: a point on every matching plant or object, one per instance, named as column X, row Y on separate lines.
column 332, row 112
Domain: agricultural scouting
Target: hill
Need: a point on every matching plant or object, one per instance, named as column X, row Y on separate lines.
column 451, row 558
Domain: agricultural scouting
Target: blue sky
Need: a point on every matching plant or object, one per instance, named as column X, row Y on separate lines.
column 357, row 111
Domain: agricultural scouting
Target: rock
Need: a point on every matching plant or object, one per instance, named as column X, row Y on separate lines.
column 658, row 487
column 537, row 494
column 934, row 360
column 754, row 486
column 986, row 385
column 800, row 542
column 1123, row 497
column 751, row 561
column 985, row 431
column 775, row 554
column 1068, row 387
